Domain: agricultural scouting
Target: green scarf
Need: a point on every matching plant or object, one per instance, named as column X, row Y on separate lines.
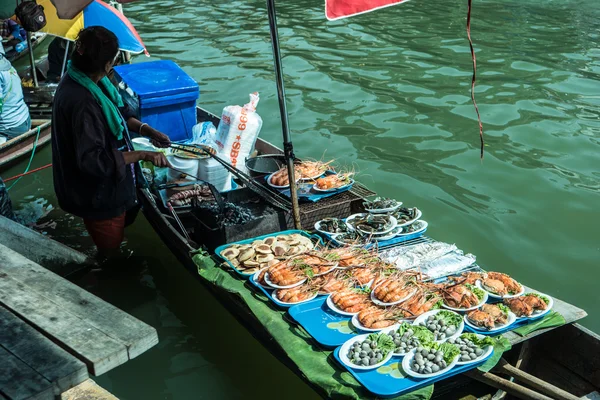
column 108, row 104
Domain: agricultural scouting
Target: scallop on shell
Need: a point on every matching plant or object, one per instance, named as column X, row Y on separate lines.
column 246, row 254
column 280, row 249
column 270, row 240
column 264, row 258
column 263, row 249
column 230, row 253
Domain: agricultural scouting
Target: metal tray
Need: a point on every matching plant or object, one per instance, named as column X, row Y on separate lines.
column 328, row 328
column 382, row 383
column 219, row 249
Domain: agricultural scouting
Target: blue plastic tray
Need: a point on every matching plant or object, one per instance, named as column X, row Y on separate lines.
column 219, row 249
column 327, row 327
column 305, row 192
column 382, row 383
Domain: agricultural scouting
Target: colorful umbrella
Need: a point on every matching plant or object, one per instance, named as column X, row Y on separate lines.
column 94, row 14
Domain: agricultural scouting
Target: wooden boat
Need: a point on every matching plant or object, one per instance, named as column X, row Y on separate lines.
column 15, row 149
column 565, row 357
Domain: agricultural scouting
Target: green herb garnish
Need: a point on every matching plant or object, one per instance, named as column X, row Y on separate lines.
column 478, row 292
column 503, row 308
column 481, row 342
column 451, row 319
column 544, row 298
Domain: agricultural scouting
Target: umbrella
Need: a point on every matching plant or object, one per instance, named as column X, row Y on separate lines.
column 68, row 9
column 95, row 13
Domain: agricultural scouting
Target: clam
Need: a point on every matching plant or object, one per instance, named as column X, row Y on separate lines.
column 293, row 251
column 263, row 249
column 272, row 262
column 251, row 263
column 282, row 238
column 244, row 247
column 230, row 253
column 246, row 254
column 293, row 242
column 257, row 242
column 263, row 258
column 270, row 240
column 280, row 248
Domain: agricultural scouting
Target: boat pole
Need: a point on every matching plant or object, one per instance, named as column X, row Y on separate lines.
column 32, row 60
column 288, row 148
column 64, row 65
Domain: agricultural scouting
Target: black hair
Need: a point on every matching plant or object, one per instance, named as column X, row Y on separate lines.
column 94, row 48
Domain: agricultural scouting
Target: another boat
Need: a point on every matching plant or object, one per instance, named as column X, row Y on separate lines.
column 15, row 149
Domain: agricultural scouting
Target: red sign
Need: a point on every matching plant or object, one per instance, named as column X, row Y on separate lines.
column 336, row 9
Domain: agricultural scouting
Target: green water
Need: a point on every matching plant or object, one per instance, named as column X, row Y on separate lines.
column 386, row 94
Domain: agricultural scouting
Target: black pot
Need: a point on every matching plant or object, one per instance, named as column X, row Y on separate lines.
column 265, row 164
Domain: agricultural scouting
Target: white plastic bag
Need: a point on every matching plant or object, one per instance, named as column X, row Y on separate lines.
column 204, row 133
column 238, row 131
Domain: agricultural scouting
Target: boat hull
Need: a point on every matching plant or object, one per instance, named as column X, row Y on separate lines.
column 12, row 151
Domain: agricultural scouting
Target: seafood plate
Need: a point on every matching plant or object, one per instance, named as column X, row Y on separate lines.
column 388, row 318
column 303, row 170
column 369, row 224
column 185, row 197
column 296, row 270
column 381, row 205
column 406, row 216
column 463, row 297
column 332, row 226
column 333, row 182
column 490, row 317
column 473, row 347
column 443, row 324
column 530, row 305
column 349, row 301
column 365, row 352
column 414, row 228
column 295, row 295
column 497, row 284
column 351, row 238
column 394, row 289
column 262, row 253
column 430, row 361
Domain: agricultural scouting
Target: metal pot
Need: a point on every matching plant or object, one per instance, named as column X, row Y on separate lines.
column 265, row 164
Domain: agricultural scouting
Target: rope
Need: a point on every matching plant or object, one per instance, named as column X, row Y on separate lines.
column 27, row 173
column 30, row 158
column 474, row 75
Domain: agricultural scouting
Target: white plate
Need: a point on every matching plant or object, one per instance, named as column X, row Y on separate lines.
column 392, row 220
column 276, row 186
column 346, row 347
column 282, row 287
column 274, row 294
column 408, row 360
column 318, row 227
column 316, row 189
column 419, row 214
column 537, row 314
column 424, row 225
column 381, row 303
column 421, row 318
column 487, row 350
column 511, row 320
column 358, row 325
column 313, row 178
column 336, row 310
column 361, row 241
column 482, row 302
column 384, row 210
column 388, row 236
column 255, row 277
column 328, row 271
column 495, row 296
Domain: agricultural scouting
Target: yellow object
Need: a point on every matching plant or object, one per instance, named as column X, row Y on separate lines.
column 65, row 28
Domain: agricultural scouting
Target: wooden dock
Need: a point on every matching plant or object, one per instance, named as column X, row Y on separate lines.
column 53, row 334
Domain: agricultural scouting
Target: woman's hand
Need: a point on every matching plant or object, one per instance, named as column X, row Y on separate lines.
column 157, row 138
column 156, row 158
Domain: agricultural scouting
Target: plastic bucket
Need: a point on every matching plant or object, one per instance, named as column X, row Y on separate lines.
column 188, row 168
column 265, row 164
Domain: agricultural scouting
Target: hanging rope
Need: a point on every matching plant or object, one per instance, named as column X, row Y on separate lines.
column 474, row 76
column 30, row 158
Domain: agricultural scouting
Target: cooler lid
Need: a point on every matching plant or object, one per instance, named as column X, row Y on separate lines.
column 156, row 79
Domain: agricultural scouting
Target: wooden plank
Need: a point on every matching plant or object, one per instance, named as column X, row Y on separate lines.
column 37, row 351
column 132, row 333
column 88, row 390
column 19, row 382
column 98, row 351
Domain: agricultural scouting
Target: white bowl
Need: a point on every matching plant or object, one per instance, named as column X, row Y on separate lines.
column 381, row 303
column 487, row 350
column 482, row 302
column 495, row 296
column 421, row 319
column 274, row 294
column 336, row 310
column 511, row 320
column 359, row 326
column 384, row 210
column 318, row 227
column 255, row 277
column 346, row 347
column 416, row 218
column 408, row 360
column 392, row 220
column 388, row 236
column 282, row 287
column 424, row 225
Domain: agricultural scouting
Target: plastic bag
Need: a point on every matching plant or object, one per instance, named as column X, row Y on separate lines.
column 238, row 131
column 204, row 133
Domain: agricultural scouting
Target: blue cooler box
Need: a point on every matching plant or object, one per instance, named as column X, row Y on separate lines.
column 162, row 95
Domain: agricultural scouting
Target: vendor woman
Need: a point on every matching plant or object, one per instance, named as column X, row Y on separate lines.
column 92, row 161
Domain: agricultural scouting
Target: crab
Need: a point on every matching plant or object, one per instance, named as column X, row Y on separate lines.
column 481, row 318
column 519, row 306
column 492, row 309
